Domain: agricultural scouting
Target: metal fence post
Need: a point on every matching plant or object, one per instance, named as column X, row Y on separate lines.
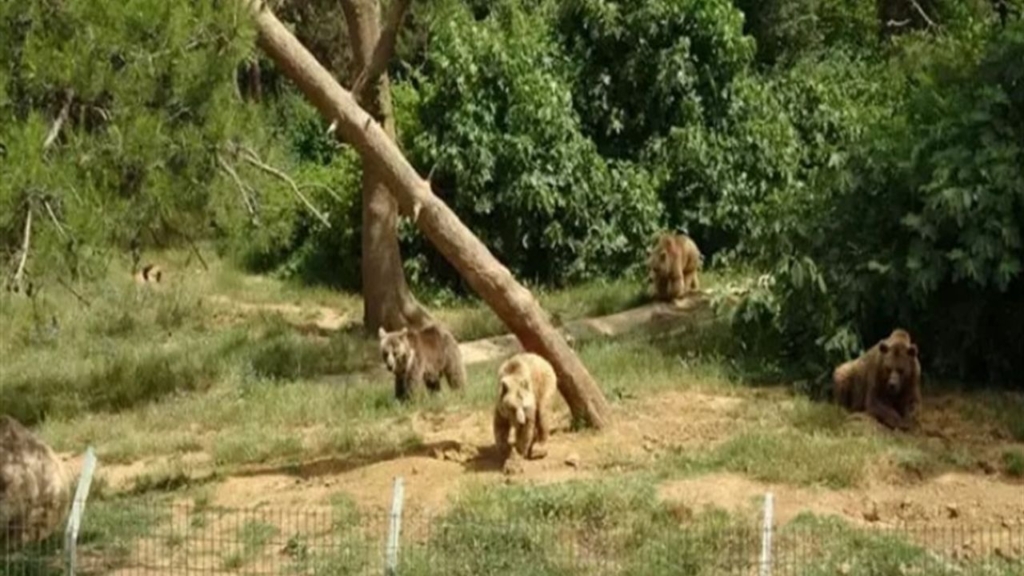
column 78, row 508
column 766, row 537
column 394, row 528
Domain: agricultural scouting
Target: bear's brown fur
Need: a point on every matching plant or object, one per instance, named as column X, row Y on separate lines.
column 422, row 356
column 673, row 265
column 35, row 487
column 885, row 381
column 526, row 386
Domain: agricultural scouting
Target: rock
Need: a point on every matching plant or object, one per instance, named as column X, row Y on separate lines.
column 871, row 513
column 415, row 470
column 573, row 460
column 35, row 487
column 952, row 510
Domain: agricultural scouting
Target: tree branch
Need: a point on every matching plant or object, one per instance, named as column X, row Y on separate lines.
column 19, row 274
column 383, row 51
column 242, row 187
column 251, row 157
column 58, row 123
column 509, row 299
column 53, row 217
column 923, row 14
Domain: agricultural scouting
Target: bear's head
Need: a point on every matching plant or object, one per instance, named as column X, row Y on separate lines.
column 396, row 350
column 516, row 396
column 898, row 364
column 665, row 256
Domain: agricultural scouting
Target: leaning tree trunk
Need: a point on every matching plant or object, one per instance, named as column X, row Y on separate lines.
column 513, row 303
column 387, row 300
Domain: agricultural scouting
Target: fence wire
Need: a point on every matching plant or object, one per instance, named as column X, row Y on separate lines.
column 128, row 538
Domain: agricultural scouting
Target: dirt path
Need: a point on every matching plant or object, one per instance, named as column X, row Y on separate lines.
column 653, row 318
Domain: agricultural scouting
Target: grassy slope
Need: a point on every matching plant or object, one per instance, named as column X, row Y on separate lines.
column 143, row 374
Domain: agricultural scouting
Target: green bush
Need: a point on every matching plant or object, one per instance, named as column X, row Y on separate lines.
column 642, row 67
column 495, row 125
column 150, row 88
column 923, row 229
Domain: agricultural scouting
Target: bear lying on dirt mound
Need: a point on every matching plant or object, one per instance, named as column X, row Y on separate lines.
column 673, row 266
column 34, row 487
column 885, row 381
column 422, row 356
column 527, row 384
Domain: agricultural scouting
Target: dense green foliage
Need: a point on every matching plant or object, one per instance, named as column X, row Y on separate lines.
column 148, row 103
column 866, row 157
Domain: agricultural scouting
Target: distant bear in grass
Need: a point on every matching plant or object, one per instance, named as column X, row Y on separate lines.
column 526, row 386
column 673, row 265
column 422, row 356
column 885, row 381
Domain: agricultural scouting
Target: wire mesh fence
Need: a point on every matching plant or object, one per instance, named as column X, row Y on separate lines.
column 127, row 538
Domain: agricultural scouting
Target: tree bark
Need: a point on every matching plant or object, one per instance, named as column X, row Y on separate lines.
column 387, row 300
column 513, row 303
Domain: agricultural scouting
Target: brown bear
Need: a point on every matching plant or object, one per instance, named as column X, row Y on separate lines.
column 885, row 381
column 526, row 387
column 422, row 356
column 35, row 487
column 673, row 265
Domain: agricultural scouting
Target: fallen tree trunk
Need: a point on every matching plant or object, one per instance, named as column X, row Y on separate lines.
column 513, row 303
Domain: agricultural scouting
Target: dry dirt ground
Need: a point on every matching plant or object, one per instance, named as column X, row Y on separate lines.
column 458, row 453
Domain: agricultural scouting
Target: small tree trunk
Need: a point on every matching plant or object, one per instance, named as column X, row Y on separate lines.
column 513, row 303
column 387, row 300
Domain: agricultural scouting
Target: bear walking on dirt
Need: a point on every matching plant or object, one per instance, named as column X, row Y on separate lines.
column 673, row 265
column 422, row 356
column 885, row 381
column 527, row 384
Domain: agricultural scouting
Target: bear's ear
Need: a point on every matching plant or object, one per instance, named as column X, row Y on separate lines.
column 381, row 333
column 912, row 350
column 883, row 347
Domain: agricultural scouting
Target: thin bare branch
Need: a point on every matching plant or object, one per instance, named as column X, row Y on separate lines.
column 923, row 14
column 322, row 187
column 58, row 123
column 188, row 238
column 242, row 186
column 74, row 293
column 19, row 274
column 383, row 51
column 56, row 223
column 251, row 157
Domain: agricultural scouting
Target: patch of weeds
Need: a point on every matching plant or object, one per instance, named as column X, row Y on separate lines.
column 1013, row 462
column 787, row 457
column 1005, row 408
column 283, row 354
column 924, row 461
column 253, row 537
column 827, row 546
column 573, row 528
column 472, row 323
column 255, row 445
column 110, row 528
column 811, row 416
